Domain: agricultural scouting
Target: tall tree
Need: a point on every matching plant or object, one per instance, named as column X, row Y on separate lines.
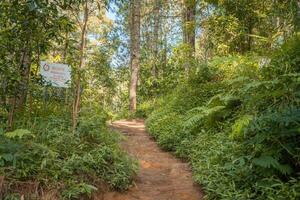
column 156, row 13
column 189, row 23
column 189, row 29
column 76, row 103
column 135, row 14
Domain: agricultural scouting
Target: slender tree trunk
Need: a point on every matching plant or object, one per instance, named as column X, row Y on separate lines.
column 249, row 37
column 135, row 52
column 156, row 13
column 164, row 57
column 64, row 91
column 189, row 28
column 18, row 101
column 11, row 113
column 25, row 74
column 77, row 96
column 65, row 51
column 298, row 17
column 3, row 94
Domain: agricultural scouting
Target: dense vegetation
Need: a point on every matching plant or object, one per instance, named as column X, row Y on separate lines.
column 235, row 116
column 237, row 121
column 43, row 159
column 47, row 149
column 217, row 80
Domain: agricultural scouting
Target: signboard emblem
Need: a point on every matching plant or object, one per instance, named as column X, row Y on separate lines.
column 46, row 67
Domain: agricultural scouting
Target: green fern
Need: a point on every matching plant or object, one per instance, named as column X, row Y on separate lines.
column 239, row 126
column 76, row 190
column 266, row 161
column 193, row 120
column 208, row 115
column 18, row 133
column 227, row 100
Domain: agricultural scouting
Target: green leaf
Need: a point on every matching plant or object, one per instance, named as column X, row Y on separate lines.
column 266, row 161
column 270, row 162
column 7, row 157
column 18, row 133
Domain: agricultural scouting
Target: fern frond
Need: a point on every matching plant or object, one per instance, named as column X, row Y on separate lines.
column 19, row 133
column 266, row 161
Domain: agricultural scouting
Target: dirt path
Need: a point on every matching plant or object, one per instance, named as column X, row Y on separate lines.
column 161, row 175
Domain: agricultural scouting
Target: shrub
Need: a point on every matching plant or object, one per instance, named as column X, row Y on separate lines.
column 73, row 164
column 239, row 129
column 286, row 59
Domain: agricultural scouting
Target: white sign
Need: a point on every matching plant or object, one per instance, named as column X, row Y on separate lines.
column 56, row 74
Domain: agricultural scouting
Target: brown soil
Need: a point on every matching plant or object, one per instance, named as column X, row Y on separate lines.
column 161, row 176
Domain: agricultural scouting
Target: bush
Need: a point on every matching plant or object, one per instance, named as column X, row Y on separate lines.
column 286, row 59
column 144, row 109
column 239, row 128
column 73, row 164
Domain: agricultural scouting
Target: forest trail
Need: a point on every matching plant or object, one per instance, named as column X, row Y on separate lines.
column 161, row 176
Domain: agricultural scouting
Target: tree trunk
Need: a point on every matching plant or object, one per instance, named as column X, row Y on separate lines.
column 77, row 96
column 189, row 28
column 249, row 37
column 189, row 23
column 18, row 100
column 11, row 113
column 25, row 74
column 135, row 52
column 164, row 57
column 65, row 50
column 156, row 13
column 298, row 17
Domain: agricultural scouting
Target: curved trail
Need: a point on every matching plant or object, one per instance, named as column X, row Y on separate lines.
column 161, row 176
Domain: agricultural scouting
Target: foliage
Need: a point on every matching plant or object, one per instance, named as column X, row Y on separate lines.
column 285, row 59
column 243, row 26
column 239, row 126
column 79, row 189
column 223, row 95
column 241, row 136
column 75, row 165
column 19, row 133
column 272, row 138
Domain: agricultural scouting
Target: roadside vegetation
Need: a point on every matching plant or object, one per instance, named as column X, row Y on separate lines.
column 54, row 140
column 218, row 82
column 44, row 159
column 236, row 121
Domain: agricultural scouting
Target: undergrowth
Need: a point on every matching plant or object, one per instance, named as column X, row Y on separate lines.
column 42, row 156
column 238, row 125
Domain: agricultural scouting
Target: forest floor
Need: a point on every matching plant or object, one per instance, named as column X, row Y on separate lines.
column 161, row 176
